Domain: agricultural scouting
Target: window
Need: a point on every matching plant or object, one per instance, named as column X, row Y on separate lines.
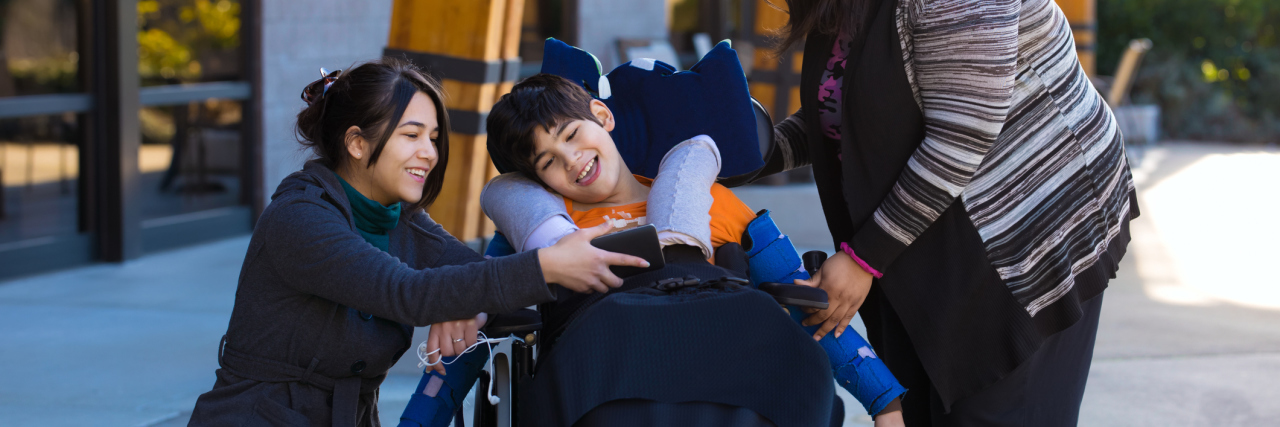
column 190, row 66
column 67, row 114
column 42, row 133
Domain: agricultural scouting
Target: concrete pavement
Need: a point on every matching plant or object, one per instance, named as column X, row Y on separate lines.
column 1190, row 330
column 116, row 345
column 1189, row 335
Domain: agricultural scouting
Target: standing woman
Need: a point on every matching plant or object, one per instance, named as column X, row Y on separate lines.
column 977, row 188
column 345, row 261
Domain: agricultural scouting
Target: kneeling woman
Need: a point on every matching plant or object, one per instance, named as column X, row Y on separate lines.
column 345, row 261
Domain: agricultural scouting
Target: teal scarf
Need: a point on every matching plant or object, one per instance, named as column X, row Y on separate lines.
column 372, row 219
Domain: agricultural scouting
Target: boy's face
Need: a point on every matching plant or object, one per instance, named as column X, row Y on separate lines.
column 578, row 158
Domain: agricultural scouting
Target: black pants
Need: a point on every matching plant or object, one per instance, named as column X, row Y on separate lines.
column 1045, row 390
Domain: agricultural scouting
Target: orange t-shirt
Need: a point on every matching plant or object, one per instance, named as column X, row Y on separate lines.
column 729, row 216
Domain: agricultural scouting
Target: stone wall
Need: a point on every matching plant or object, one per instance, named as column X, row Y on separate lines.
column 297, row 39
column 602, row 22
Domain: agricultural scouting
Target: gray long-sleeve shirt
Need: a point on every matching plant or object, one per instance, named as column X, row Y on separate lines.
column 313, row 292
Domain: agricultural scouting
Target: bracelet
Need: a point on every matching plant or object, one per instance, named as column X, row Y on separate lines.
column 865, row 267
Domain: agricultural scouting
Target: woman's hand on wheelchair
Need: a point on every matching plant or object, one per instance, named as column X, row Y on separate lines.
column 847, row 286
column 580, row 267
column 452, row 338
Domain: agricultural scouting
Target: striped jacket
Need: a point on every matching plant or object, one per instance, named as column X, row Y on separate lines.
column 1013, row 128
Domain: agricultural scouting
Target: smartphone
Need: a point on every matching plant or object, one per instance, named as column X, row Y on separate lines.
column 640, row 241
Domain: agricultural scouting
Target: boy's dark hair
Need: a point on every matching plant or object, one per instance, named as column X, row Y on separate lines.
column 372, row 96
column 540, row 101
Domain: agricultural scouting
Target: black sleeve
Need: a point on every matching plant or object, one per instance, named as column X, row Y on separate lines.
column 790, row 148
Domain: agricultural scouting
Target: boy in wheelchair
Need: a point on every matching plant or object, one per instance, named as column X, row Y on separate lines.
column 556, row 136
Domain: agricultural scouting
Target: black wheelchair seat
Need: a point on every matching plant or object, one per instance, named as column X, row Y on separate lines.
column 661, row 344
column 648, row 413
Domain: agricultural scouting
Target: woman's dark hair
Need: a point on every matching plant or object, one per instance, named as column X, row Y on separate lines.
column 830, row 17
column 373, row 97
column 540, row 101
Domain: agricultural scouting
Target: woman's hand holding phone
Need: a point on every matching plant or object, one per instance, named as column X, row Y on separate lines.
column 580, row 267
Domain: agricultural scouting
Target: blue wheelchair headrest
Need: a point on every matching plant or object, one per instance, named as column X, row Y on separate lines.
column 657, row 107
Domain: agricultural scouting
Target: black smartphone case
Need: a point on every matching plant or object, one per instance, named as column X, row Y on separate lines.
column 640, row 241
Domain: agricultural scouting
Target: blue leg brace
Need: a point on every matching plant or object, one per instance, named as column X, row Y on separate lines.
column 772, row 258
column 427, row 411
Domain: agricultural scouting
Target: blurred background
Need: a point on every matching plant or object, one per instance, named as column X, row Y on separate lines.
column 140, row 139
column 122, row 134
column 1213, row 68
column 129, row 127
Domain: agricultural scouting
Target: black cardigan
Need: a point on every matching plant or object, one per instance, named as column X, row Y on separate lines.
column 967, row 328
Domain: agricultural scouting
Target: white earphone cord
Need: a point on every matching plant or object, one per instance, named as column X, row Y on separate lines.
column 424, row 356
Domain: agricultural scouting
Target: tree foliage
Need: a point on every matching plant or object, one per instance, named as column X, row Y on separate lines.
column 173, row 33
column 1214, row 69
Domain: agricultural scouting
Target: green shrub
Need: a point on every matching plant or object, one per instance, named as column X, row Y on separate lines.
column 1214, row 69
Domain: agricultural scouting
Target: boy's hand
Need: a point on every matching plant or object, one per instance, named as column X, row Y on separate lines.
column 575, row 264
column 847, row 286
column 452, row 338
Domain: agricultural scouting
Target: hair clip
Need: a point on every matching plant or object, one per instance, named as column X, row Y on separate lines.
column 327, row 78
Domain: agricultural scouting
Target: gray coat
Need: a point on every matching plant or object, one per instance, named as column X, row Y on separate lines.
column 321, row 315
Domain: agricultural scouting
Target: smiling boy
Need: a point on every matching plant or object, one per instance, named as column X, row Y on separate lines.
column 554, row 133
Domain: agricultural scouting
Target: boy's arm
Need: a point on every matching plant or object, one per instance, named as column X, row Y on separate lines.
column 680, row 200
column 528, row 215
column 548, row 233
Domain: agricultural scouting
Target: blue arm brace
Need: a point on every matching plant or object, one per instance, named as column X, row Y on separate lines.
column 773, row 258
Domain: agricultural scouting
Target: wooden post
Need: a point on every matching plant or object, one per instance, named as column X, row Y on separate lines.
column 1084, row 27
column 773, row 82
column 471, row 45
column 510, row 49
column 1127, row 70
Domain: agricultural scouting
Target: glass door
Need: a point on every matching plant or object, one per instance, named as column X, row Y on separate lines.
column 194, row 86
column 42, row 133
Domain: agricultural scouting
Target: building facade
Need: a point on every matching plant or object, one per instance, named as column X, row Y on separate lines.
column 129, row 127
column 134, row 126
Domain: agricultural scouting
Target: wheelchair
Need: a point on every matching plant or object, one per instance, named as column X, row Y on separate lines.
column 521, row 366
column 515, row 361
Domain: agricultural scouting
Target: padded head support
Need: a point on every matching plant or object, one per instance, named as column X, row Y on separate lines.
column 657, row 107
column 577, row 65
